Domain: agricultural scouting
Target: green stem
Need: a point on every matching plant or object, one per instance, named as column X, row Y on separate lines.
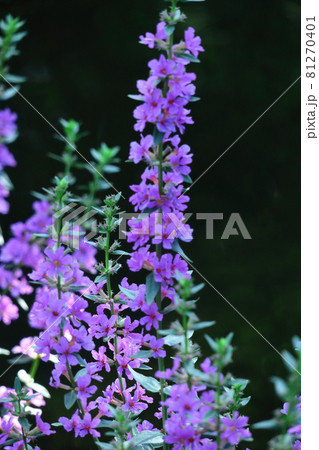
column 161, row 361
column 218, row 406
column 23, row 435
column 35, row 366
column 109, row 292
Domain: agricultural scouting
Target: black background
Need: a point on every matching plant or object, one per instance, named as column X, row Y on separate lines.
column 82, row 58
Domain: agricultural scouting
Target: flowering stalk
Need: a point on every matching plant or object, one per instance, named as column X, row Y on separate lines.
column 287, row 419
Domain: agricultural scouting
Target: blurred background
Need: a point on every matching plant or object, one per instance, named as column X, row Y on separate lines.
column 81, row 59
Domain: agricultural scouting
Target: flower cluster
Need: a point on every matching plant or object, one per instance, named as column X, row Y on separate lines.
column 91, row 333
column 294, row 430
column 8, row 130
column 21, row 250
column 18, row 405
column 287, row 420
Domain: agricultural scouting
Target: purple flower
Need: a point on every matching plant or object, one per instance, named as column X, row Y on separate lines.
column 65, row 350
column 74, row 423
column 150, row 39
column 297, row 445
column 162, row 67
column 7, row 123
column 156, row 346
column 285, row 408
column 192, row 42
column 234, row 428
column 43, row 426
column 57, row 262
column 139, row 151
column 84, row 388
column 89, row 425
column 152, row 316
column 8, row 311
column 6, row 157
column 103, row 361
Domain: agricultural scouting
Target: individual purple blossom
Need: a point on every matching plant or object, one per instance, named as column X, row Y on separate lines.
column 6, row 157
column 4, row 205
column 8, row 311
column 180, row 434
column 140, row 150
column 43, row 426
column 285, row 408
column 233, row 429
column 88, row 426
column 150, row 39
column 57, row 262
column 83, row 387
column 65, row 350
column 7, row 123
column 102, row 326
column 26, row 347
column 169, row 373
column 74, row 423
column 162, row 67
column 85, row 255
column 152, row 316
column 192, row 42
column 102, row 359
column 156, row 346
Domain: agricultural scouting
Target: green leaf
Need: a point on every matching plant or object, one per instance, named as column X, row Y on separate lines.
column 245, row 401
column 104, row 445
column 139, row 98
column 157, row 136
column 147, row 437
column 169, row 29
column 178, row 249
column 152, row 288
column 111, row 168
column 187, row 179
column 143, row 354
column 57, row 424
column 80, row 359
column 149, row 383
column 265, row 425
column 281, row 387
column 8, row 400
column 145, row 367
column 106, row 424
column 201, row 325
column 213, row 345
column 121, row 252
column 10, row 92
column 128, row 292
column 15, row 78
column 172, row 339
column 188, row 57
column 197, row 288
column 100, row 278
column 289, row 360
column 194, row 99
column 17, row 385
column 24, row 423
column 69, row 399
